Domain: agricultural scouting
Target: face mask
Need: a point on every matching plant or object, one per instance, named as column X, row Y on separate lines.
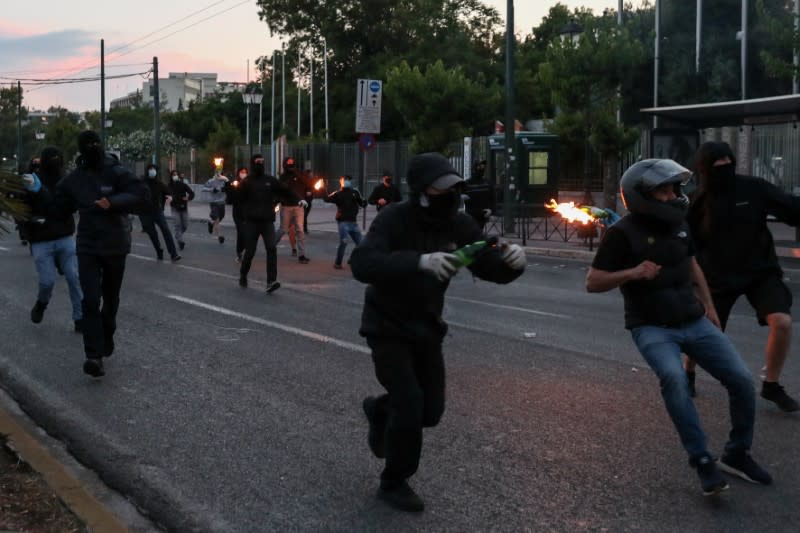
column 347, row 184
column 721, row 177
column 151, row 173
column 175, row 178
column 242, row 175
column 441, row 206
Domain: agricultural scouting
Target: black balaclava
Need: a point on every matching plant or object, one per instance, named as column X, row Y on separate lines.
column 34, row 165
column 90, row 147
column 257, row 165
column 424, row 170
column 52, row 162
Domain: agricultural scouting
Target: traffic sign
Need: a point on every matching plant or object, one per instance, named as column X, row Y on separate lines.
column 368, row 106
column 366, row 142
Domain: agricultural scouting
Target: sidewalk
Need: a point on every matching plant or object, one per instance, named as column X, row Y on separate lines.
column 321, row 218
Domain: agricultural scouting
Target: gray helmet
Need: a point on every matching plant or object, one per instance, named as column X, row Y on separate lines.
column 644, row 176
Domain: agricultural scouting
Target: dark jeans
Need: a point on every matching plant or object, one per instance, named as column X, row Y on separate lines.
column 101, row 278
column 413, row 376
column 240, row 239
column 149, row 223
column 252, row 231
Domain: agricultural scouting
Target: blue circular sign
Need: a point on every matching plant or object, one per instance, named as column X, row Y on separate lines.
column 366, row 141
column 374, row 86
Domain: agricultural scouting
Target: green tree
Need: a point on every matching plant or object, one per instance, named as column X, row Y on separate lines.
column 777, row 22
column 62, row 131
column 438, row 104
column 222, row 141
column 139, row 145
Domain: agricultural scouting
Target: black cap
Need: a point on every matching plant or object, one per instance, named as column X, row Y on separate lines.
column 425, row 169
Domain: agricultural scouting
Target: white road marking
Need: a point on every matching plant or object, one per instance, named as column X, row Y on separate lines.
column 269, row 323
column 509, row 307
column 4, row 249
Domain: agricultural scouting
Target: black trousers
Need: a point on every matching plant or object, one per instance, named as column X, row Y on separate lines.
column 101, row 279
column 413, row 376
column 239, row 224
column 149, row 223
column 252, row 231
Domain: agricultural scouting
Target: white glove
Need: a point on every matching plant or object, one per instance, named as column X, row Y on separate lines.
column 31, row 182
column 303, row 204
column 487, row 213
column 514, row 256
column 442, row 265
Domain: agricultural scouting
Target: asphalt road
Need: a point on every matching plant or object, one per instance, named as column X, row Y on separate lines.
column 231, row 410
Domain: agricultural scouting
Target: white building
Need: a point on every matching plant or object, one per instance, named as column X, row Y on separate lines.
column 177, row 90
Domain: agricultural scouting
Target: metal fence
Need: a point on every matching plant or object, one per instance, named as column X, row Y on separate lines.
column 775, row 155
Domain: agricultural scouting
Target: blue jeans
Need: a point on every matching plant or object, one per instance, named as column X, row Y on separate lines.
column 62, row 251
column 345, row 229
column 661, row 347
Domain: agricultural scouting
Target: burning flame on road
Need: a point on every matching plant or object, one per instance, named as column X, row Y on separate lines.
column 318, row 185
column 570, row 212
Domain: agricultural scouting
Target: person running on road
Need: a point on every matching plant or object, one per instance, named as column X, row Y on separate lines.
column 181, row 195
column 737, row 254
column 235, row 201
column 159, row 195
column 348, row 201
column 385, row 193
column 52, row 243
column 649, row 255
column 103, row 192
column 407, row 261
column 259, row 193
column 292, row 214
column 216, row 187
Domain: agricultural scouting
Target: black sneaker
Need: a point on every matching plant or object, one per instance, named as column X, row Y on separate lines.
column 742, row 465
column 773, row 391
column 221, row 239
column 37, row 313
column 79, row 326
column 210, row 227
column 690, row 377
column 181, row 245
column 273, row 286
column 376, row 434
column 160, row 255
column 337, row 266
column 94, row 367
column 243, row 282
column 294, row 252
column 401, row 497
column 303, row 260
column 176, row 258
column 711, row 480
column 109, row 348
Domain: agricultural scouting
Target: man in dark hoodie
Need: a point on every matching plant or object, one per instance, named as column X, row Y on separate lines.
column 258, row 195
column 52, row 243
column 159, row 194
column 103, row 192
column 407, row 259
column 181, row 195
column 736, row 251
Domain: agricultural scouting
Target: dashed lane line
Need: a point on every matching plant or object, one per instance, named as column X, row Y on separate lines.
column 509, row 307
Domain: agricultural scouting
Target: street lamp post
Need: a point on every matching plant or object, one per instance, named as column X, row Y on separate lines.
column 510, row 134
column 252, row 96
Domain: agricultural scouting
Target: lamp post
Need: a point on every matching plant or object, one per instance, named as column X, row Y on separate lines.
column 252, row 96
column 570, row 35
column 247, row 98
column 510, row 188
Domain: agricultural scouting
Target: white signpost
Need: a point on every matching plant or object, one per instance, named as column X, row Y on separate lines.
column 368, row 106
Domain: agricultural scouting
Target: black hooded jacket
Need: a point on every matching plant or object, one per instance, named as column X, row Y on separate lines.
column 735, row 247
column 41, row 228
column 100, row 231
column 297, row 183
column 258, row 195
column 402, row 301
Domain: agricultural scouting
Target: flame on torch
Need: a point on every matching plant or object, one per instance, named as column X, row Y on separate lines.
column 318, row 185
column 277, row 208
column 570, row 212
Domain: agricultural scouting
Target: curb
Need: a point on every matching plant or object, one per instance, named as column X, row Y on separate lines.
column 580, row 255
column 95, row 515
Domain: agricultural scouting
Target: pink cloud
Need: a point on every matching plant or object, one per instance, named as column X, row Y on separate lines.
column 11, row 29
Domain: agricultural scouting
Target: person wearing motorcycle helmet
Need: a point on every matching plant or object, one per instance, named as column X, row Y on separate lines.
column 649, row 255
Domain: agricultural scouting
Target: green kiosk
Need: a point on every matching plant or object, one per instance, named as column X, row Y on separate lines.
column 537, row 171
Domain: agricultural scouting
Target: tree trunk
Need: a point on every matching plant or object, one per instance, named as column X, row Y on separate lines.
column 611, row 181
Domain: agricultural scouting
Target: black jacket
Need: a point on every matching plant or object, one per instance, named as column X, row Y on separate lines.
column 391, row 194
column 179, row 190
column 348, row 201
column 259, row 194
column 158, row 194
column 401, row 301
column 735, row 247
column 297, row 183
column 100, row 231
column 41, row 228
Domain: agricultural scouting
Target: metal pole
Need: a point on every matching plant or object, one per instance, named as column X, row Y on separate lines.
column 510, row 137
column 364, row 190
column 325, row 60
column 247, row 119
column 156, row 113
column 283, row 87
column 273, row 162
column 698, row 36
column 102, row 92
column 311, row 96
column 19, row 125
column 299, row 66
column 744, row 49
column 657, row 51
